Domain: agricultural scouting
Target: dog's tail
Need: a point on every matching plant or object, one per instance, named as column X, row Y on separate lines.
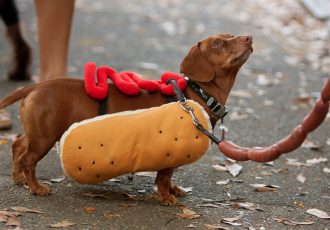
column 17, row 95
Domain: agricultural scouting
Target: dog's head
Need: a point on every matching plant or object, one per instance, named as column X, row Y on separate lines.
column 223, row 52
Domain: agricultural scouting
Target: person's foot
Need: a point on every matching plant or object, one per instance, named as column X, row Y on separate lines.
column 5, row 121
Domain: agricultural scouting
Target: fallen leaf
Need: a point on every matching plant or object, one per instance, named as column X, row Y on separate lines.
column 23, row 209
column 89, row 209
column 231, row 221
column 111, row 215
column 188, row 189
column 212, row 226
column 219, row 168
column 326, row 170
column 316, row 160
column 300, row 177
column 3, row 218
column 245, row 205
column 295, row 162
column 311, row 145
column 126, row 205
column 234, row 169
column 318, row 213
column 58, row 180
column 147, row 174
column 293, row 223
column 265, row 188
column 209, row 205
column 114, row 180
column 223, row 182
column 89, row 194
column 13, row 221
column 62, row 224
column 187, row 214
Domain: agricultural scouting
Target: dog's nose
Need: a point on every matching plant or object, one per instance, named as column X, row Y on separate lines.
column 246, row 39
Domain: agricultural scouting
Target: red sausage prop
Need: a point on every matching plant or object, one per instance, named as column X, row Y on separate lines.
column 287, row 144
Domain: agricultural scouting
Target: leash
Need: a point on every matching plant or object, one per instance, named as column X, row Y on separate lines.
column 184, row 105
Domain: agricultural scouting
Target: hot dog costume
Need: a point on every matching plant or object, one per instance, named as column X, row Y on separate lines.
column 151, row 139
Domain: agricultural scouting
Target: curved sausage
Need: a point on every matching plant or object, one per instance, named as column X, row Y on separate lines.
column 287, row 144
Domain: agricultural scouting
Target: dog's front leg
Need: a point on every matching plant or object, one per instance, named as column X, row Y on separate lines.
column 166, row 191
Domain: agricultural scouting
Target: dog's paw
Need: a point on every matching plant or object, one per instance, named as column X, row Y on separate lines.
column 19, row 179
column 42, row 190
column 168, row 200
column 177, row 192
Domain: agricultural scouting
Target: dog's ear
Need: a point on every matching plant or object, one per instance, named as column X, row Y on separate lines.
column 195, row 66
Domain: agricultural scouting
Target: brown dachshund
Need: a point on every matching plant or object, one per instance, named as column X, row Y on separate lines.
column 50, row 107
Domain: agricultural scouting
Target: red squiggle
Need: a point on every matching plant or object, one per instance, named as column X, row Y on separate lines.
column 127, row 82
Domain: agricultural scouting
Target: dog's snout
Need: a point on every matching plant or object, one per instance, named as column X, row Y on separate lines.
column 246, row 39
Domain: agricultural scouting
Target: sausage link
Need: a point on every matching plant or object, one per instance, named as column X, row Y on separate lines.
column 287, row 144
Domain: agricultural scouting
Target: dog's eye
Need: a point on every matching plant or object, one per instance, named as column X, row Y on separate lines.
column 217, row 44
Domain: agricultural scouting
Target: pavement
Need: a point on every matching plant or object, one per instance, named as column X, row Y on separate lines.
column 273, row 91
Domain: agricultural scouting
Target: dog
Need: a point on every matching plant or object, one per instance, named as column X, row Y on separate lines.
column 49, row 108
column 20, row 69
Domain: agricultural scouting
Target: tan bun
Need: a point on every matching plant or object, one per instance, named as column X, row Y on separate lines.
column 152, row 139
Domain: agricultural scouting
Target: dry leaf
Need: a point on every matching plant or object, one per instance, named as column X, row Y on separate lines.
column 13, row 221
column 318, row 213
column 316, row 160
column 219, row 168
column 245, row 205
column 3, row 218
column 295, row 162
column 89, row 194
column 188, row 189
column 209, row 205
column 326, row 170
column 231, row 221
column 223, row 182
column 58, row 180
column 212, row 226
column 300, row 177
column 126, row 205
column 89, row 209
column 265, row 188
column 62, row 224
column 311, row 145
column 147, row 174
column 187, row 214
column 234, row 168
column 292, row 223
column 23, row 209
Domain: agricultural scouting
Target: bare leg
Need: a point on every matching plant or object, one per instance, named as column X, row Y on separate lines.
column 19, row 146
column 166, row 191
column 54, row 25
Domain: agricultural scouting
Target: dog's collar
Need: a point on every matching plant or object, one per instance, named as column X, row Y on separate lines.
column 216, row 108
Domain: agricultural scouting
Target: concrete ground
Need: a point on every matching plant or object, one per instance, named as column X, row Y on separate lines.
column 272, row 93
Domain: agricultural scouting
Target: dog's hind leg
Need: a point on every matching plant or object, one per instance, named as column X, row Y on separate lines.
column 28, row 162
column 19, row 146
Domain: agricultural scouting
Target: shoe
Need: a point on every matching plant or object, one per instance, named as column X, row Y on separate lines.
column 5, row 121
